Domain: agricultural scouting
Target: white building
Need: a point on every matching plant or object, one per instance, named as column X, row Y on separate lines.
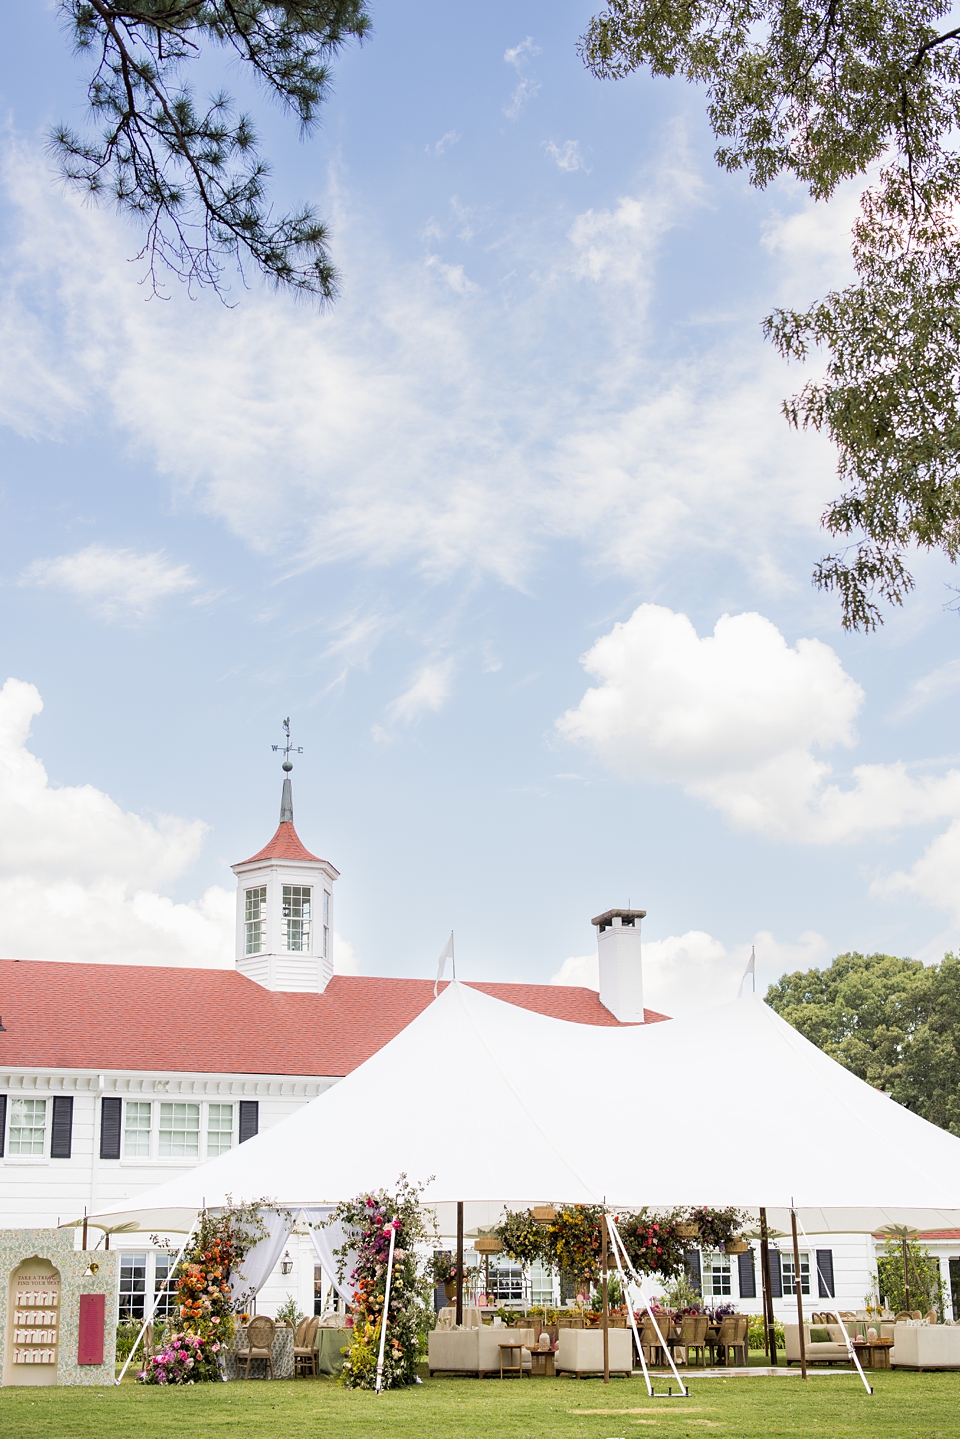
column 115, row 1077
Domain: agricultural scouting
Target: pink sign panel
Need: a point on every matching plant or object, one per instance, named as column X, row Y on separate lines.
column 92, row 1318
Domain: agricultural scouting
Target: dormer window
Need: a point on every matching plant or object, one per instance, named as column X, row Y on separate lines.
column 296, row 917
column 255, row 915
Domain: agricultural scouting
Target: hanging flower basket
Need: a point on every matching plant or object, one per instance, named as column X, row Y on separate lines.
column 544, row 1213
column 688, row 1231
column 488, row 1244
column 736, row 1246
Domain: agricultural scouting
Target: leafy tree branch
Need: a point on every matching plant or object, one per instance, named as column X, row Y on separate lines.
column 825, row 91
column 192, row 173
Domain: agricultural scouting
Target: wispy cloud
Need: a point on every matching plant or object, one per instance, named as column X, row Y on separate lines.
column 528, row 88
column 454, row 275
column 119, row 583
column 430, row 689
column 566, row 156
column 444, row 143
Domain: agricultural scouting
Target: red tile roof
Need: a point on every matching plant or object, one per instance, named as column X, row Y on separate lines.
column 286, row 844
column 215, row 1021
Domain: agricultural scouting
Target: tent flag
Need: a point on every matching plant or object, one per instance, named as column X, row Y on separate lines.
column 750, row 970
column 516, row 1108
column 445, row 954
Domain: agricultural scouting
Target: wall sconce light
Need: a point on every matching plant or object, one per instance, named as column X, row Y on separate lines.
column 287, row 1264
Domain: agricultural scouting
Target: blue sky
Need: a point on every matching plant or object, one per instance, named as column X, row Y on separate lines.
column 541, row 424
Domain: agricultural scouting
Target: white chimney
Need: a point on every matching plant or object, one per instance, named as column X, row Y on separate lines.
column 621, row 970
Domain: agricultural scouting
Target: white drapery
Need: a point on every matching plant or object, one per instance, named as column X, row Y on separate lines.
column 248, row 1277
column 327, row 1238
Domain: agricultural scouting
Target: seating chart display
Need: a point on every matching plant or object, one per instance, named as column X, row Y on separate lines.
column 36, row 1319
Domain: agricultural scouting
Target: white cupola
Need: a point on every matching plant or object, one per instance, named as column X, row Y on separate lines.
column 285, row 910
column 621, row 969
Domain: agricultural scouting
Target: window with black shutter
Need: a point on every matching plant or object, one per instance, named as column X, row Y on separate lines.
column 776, row 1275
column 747, row 1275
column 3, row 1123
column 110, row 1116
column 691, row 1262
column 249, row 1118
column 825, row 1286
column 61, row 1130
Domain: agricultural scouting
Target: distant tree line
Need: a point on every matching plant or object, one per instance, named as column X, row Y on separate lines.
column 894, row 1022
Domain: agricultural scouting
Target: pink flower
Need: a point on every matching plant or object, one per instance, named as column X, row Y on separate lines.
column 215, row 1348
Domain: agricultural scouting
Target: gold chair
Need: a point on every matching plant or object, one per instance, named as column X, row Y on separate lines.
column 693, row 1336
column 733, row 1337
column 305, row 1347
column 653, row 1345
column 260, row 1333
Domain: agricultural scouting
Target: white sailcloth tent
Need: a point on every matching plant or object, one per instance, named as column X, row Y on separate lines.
column 492, row 1104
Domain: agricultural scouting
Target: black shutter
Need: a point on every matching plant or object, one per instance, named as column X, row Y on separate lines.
column 748, row 1275
column 3, row 1122
column 825, row 1285
column 249, row 1118
column 691, row 1262
column 110, row 1128
column 776, row 1275
column 61, row 1131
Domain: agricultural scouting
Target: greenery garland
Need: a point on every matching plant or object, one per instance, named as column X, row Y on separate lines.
column 371, row 1219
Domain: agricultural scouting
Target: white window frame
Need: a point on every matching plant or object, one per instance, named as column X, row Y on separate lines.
column 717, row 1264
column 304, row 895
column 786, row 1266
column 43, row 1130
column 139, row 1129
column 326, row 924
column 255, row 926
column 204, row 1148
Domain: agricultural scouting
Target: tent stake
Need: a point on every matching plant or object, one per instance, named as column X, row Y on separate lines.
column 799, row 1290
column 606, row 1299
column 768, row 1314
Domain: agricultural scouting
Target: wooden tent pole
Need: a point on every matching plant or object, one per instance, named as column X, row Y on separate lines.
column 459, row 1319
column 606, row 1300
column 798, row 1286
column 770, row 1323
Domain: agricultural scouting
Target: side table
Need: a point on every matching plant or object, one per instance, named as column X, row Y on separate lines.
column 874, row 1353
column 543, row 1364
column 511, row 1359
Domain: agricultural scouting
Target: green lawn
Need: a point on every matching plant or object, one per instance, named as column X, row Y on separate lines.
column 915, row 1406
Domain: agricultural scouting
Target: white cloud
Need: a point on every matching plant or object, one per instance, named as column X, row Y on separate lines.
column 407, row 426
column 430, row 688
column 79, row 876
column 690, row 972
column 451, row 137
column 737, row 718
column 522, row 52
column 119, row 583
column 929, row 688
column 345, row 960
column 454, row 275
column 527, row 90
column 567, row 156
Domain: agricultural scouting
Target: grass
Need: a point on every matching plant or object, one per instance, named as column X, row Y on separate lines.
column 914, row 1406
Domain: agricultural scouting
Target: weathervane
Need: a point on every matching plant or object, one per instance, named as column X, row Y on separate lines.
column 287, row 749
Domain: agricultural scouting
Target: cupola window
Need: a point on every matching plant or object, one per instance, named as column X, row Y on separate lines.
column 255, row 915
column 296, row 917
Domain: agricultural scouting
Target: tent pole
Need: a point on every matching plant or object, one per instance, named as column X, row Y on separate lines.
column 851, row 1347
column 606, row 1299
column 632, row 1316
column 770, row 1323
column 156, row 1300
column 798, row 1286
column 619, row 1247
column 386, row 1309
column 906, row 1272
column 459, row 1318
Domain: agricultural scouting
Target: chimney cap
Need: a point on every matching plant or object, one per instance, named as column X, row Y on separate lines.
column 604, row 921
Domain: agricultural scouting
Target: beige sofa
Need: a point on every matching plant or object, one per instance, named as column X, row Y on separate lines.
column 473, row 1351
column 834, row 1352
column 933, row 1346
column 580, row 1351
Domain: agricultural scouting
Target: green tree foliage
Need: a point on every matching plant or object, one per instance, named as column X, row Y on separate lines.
column 893, row 1022
column 926, row 1290
column 190, row 172
column 827, row 90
